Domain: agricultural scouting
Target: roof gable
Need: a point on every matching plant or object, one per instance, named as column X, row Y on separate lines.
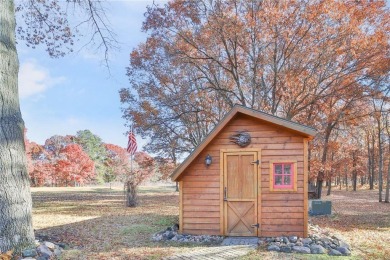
column 303, row 130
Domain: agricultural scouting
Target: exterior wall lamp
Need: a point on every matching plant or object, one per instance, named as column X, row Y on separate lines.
column 208, row 160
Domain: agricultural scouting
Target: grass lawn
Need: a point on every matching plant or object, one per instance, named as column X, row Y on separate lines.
column 96, row 225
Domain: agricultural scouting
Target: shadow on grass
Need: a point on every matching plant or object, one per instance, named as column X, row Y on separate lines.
column 98, row 194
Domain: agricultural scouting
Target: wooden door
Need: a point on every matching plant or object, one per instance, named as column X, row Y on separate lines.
column 240, row 193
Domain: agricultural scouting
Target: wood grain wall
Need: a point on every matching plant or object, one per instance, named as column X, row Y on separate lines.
column 281, row 213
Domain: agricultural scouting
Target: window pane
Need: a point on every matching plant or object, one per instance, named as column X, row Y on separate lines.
column 287, row 179
column 287, row 169
column 278, row 169
column 278, row 180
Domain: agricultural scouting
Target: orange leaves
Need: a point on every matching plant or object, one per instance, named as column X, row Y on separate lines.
column 7, row 255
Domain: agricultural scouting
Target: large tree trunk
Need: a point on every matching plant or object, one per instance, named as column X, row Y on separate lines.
column 15, row 198
column 321, row 173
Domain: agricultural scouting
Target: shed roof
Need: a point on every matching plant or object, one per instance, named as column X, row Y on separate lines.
column 303, row 130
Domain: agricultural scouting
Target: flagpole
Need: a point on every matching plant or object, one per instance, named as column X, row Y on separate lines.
column 131, row 149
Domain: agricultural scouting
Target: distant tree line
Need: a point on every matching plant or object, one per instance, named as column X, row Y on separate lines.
column 85, row 159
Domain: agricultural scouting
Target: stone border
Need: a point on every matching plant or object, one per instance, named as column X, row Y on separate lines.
column 318, row 242
column 170, row 234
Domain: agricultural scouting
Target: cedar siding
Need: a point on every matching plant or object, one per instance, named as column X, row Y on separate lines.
column 278, row 212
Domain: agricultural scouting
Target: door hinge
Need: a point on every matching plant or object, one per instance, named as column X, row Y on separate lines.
column 255, row 225
column 225, row 194
column 256, row 162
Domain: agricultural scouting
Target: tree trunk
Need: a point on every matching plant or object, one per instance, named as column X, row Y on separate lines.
column 354, row 171
column 340, row 179
column 131, row 194
column 388, row 184
column 380, row 162
column 329, row 186
column 372, row 168
column 16, row 229
column 387, row 195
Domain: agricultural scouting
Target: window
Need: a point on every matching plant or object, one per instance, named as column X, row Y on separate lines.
column 283, row 176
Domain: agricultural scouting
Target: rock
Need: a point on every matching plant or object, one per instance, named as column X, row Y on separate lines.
column 291, row 244
column 343, row 250
column 285, row 240
column 343, row 244
column 334, row 252
column 43, row 258
column 168, row 235
column 50, row 245
column 299, row 243
column 307, row 241
column 293, row 239
column 44, row 251
column 315, row 236
column 317, row 249
column 325, row 240
column 273, row 248
column 57, row 252
column 285, row 249
column 301, row 249
column 157, row 237
column 29, row 253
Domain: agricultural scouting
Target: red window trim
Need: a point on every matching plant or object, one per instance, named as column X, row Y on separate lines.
column 283, row 186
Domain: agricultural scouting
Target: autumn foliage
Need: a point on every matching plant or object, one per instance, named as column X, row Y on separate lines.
column 63, row 162
column 321, row 63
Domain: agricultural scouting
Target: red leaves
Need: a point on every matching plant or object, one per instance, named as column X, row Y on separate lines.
column 75, row 165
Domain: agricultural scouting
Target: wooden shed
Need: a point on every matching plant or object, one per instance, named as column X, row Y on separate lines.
column 256, row 183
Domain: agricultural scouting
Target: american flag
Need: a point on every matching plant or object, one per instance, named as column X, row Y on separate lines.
column 132, row 144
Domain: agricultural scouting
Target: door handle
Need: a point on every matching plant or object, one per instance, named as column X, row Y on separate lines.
column 255, row 225
column 225, row 194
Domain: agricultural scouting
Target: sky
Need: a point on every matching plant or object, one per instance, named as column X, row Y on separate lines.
column 76, row 92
